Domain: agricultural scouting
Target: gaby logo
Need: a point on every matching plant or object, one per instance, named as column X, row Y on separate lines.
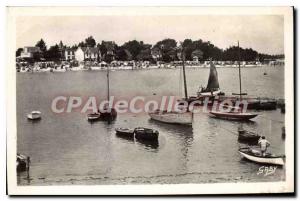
column 139, row 104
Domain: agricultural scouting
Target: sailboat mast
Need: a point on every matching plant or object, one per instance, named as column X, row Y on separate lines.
column 184, row 77
column 107, row 74
column 239, row 58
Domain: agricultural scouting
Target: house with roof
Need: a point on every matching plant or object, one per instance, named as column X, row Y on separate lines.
column 28, row 52
column 87, row 54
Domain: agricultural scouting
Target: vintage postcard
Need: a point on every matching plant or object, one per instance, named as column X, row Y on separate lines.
column 150, row 100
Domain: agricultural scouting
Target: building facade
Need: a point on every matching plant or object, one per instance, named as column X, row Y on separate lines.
column 69, row 54
column 28, row 52
column 87, row 54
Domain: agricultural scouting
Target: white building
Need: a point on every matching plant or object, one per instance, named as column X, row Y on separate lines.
column 87, row 53
column 69, row 54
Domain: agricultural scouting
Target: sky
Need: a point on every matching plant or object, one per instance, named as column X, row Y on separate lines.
column 263, row 33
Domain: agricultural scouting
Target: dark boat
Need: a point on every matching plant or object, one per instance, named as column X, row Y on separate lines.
column 109, row 115
column 247, row 136
column 283, row 132
column 267, row 104
column 212, row 87
column 146, row 134
column 125, row 132
column 22, row 163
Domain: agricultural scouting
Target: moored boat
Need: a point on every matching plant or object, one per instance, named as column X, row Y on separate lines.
column 125, row 132
column 109, row 115
column 255, row 156
column 238, row 116
column 172, row 117
column 247, row 136
column 34, row 115
column 93, row 116
column 146, row 134
column 212, row 88
column 22, row 163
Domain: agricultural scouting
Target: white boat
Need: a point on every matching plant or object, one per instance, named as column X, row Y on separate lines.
column 34, row 115
column 172, row 117
column 233, row 115
column 93, row 116
column 213, row 93
column 254, row 155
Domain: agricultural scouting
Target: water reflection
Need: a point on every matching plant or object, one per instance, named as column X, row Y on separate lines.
column 154, row 144
column 126, row 138
column 184, row 134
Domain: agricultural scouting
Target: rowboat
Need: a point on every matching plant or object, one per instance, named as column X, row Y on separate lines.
column 255, row 156
column 172, row 117
column 248, row 136
column 22, row 162
column 146, row 134
column 239, row 116
column 93, row 116
column 34, row 115
column 125, row 132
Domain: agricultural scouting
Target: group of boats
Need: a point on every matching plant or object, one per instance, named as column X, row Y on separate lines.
column 213, row 93
column 140, row 133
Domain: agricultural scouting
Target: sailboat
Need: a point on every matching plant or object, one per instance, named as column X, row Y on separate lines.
column 235, row 114
column 212, row 87
column 173, row 117
column 108, row 114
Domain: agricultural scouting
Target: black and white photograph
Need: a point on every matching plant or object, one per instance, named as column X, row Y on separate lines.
column 150, row 100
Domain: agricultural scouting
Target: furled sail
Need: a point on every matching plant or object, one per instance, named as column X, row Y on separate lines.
column 213, row 82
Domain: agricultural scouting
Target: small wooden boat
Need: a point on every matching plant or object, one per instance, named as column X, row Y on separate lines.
column 238, row 116
column 22, row 163
column 255, row 156
column 125, row 132
column 146, row 134
column 93, row 116
column 34, row 115
column 109, row 115
column 172, row 117
column 248, row 136
column 267, row 104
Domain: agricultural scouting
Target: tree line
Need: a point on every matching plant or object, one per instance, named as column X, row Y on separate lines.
column 165, row 50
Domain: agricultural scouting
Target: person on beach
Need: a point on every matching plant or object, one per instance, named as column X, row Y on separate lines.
column 264, row 144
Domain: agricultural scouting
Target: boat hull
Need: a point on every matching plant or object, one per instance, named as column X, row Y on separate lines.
column 93, row 117
column 262, row 160
column 173, row 118
column 146, row 134
column 233, row 116
column 127, row 133
column 213, row 93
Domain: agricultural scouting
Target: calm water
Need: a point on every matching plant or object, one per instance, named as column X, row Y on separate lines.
column 66, row 149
